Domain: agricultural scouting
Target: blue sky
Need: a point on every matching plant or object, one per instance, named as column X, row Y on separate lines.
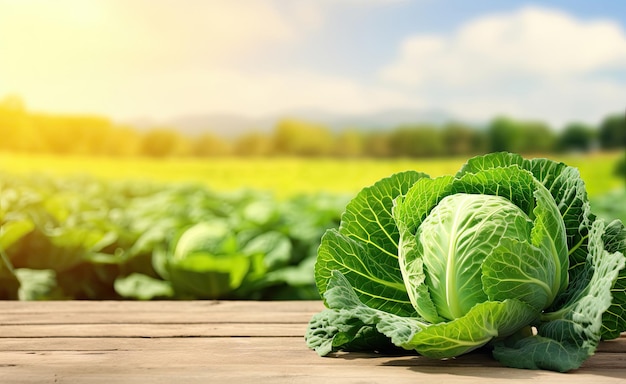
column 558, row 61
column 366, row 37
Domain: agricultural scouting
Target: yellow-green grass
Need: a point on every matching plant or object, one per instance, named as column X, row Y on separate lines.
column 282, row 176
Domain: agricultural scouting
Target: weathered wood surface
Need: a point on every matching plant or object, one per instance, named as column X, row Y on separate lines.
column 226, row 342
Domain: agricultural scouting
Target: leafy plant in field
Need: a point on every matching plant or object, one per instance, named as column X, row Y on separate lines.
column 505, row 254
column 81, row 238
column 611, row 205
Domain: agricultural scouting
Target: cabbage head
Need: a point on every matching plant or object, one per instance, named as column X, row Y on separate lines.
column 504, row 255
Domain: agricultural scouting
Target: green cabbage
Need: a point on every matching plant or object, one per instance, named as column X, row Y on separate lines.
column 506, row 255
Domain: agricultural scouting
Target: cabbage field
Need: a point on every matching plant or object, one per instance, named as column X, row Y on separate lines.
column 230, row 229
column 82, row 238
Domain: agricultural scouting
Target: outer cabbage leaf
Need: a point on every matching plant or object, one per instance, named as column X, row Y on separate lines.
column 518, row 269
column 348, row 324
column 408, row 213
column 614, row 319
column 333, row 330
column 570, row 335
column 549, row 235
column 483, row 323
column 365, row 248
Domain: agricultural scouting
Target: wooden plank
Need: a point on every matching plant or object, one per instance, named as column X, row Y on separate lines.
column 137, row 317
column 200, row 312
column 615, row 346
column 263, row 373
column 292, row 350
column 236, row 351
column 255, row 373
column 153, row 330
column 186, row 330
column 158, row 307
column 287, row 345
column 242, row 360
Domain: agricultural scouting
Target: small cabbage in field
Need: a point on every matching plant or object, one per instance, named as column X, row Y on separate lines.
column 505, row 255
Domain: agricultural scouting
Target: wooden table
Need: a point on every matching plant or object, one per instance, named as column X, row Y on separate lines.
column 225, row 342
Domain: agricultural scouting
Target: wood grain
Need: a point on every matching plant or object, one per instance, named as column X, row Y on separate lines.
column 226, row 342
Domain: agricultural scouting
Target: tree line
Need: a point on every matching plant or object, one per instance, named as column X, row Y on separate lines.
column 23, row 131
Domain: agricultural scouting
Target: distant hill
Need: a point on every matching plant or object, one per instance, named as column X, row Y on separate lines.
column 233, row 125
column 221, row 124
column 378, row 120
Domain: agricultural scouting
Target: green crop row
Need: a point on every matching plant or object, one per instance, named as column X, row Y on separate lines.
column 82, row 238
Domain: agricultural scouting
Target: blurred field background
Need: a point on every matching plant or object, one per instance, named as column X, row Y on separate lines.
column 199, row 150
column 165, row 222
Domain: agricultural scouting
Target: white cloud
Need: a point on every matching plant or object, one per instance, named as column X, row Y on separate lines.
column 231, row 91
column 298, row 90
column 127, row 58
column 534, row 62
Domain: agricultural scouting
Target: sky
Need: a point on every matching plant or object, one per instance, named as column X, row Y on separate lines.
column 556, row 61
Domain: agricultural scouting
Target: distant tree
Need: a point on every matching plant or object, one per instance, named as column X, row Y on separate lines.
column 417, row 141
column 300, row 138
column 68, row 134
column 536, row 137
column 123, row 141
column 208, row 145
column 254, row 144
column 612, row 132
column 349, row 143
column 89, row 134
column 503, row 134
column 576, row 137
column 377, row 144
column 402, row 142
column 56, row 133
column 460, row 139
column 17, row 131
column 163, row 142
